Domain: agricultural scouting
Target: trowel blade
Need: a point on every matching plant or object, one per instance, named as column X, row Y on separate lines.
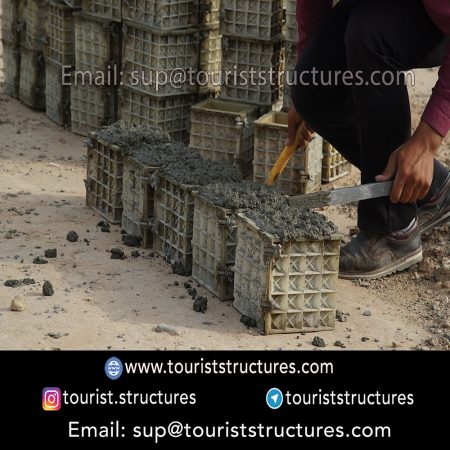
column 342, row 196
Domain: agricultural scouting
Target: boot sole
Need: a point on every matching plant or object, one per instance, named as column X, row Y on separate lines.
column 436, row 223
column 397, row 266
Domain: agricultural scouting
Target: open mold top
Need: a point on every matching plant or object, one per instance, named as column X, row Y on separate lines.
column 275, row 119
column 290, row 223
column 241, row 195
column 189, row 168
column 224, row 107
column 132, row 139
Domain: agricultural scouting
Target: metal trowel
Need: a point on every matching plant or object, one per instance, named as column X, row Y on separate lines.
column 342, row 196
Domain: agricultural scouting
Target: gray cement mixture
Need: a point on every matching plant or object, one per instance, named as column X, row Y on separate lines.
column 290, row 223
column 132, row 138
column 315, row 200
column 243, row 195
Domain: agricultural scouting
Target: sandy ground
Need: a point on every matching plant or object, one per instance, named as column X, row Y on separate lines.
column 101, row 303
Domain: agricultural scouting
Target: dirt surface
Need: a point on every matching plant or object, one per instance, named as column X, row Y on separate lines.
column 104, row 303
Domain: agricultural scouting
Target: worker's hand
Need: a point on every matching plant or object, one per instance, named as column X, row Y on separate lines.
column 294, row 121
column 413, row 165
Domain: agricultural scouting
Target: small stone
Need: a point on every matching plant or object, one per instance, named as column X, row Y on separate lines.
column 103, row 224
column 367, row 313
column 163, row 328
column 442, row 275
column 365, row 339
column 248, row 321
column 186, row 285
column 339, row 344
column 131, row 241
column 353, row 232
column 51, row 253
column 47, row 289
column 192, row 292
column 318, row 342
column 39, row 260
column 175, row 283
column 426, row 265
column 13, row 283
column 105, row 230
column 200, row 304
column 18, row 303
column 117, row 253
column 27, row 281
column 72, row 236
column 135, row 253
column 55, row 335
column 341, row 316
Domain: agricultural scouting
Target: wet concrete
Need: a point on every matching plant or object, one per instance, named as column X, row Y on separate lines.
column 191, row 169
column 313, row 201
column 131, row 139
column 292, row 223
column 243, row 195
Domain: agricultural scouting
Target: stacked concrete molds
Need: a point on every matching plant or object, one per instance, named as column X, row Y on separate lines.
column 222, row 130
column 57, row 94
column 35, row 17
column 170, row 113
column 214, row 247
column 290, row 26
column 94, row 83
column 104, row 179
column 162, row 14
column 32, row 62
column 209, row 13
column 261, row 19
column 12, row 28
column 60, row 34
column 210, row 60
column 11, row 68
column 334, row 165
column 252, row 56
column 59, row 52
column 287, row 287
column 138, row 199
column 242, row 57
column 303, row 173
column 174, row 215
column 151, row 59
column 32, row 78
column 12, row 21
column 106, row 9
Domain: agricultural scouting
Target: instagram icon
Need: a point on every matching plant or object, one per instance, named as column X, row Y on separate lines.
column 51, row 399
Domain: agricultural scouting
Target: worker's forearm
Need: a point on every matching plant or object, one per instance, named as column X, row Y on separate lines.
column 428, row 138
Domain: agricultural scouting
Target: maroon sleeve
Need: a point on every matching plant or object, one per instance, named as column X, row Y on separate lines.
column 309, row 16
column 437, row 112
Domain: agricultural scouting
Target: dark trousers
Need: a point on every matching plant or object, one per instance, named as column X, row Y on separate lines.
column 367, row 123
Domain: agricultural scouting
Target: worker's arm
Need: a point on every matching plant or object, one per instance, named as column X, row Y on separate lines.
column 412, row 164
column 310, row 14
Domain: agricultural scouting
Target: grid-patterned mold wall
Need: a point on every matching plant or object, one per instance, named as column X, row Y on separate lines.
column 106, row 9
column 222, row 130
column 162, row 14
column 104, row 179
column 334, row 165
column 214, row 248
column 286, row 287
column 246, row 56
column 35, row 17
column 32, row 78
column 138, row 199
column 150, row 58
column 174, row 216
column 258, row 19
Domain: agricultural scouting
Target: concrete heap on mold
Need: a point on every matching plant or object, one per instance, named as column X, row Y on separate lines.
column 269, row 210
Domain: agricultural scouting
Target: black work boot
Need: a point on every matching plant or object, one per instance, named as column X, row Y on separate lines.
column 375, row 255
column 436, row 210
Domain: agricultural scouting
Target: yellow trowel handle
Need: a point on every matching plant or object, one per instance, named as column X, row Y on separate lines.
column 286, row 155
